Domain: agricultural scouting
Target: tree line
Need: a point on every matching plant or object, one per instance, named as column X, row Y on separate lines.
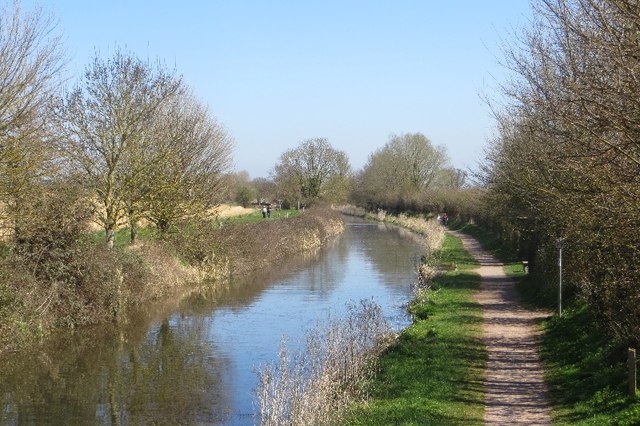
column 134, row 142
column 565, row 165
column 408, row 173
column 128, row 145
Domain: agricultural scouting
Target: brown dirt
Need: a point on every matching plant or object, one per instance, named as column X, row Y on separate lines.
column 515, row 392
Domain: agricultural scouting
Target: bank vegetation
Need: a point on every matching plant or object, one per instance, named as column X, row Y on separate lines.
column 79, row 281
column 321, row 382
column 564, row 167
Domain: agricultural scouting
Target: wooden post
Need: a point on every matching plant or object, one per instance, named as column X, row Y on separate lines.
column 631, row 365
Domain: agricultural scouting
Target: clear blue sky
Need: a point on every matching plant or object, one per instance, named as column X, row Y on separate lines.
column 275, row 73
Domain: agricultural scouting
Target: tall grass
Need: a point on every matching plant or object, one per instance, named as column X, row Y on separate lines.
column 429, row 228
column 313, row 386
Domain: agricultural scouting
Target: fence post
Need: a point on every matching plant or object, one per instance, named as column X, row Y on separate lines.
column 631, row 364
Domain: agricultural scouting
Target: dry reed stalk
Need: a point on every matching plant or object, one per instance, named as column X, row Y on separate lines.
column 314, row 385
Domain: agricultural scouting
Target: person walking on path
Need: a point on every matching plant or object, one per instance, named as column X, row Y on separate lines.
column 515, row 392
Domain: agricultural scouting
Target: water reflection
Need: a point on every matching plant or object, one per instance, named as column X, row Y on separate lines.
column 163, row 376
column 195, row 362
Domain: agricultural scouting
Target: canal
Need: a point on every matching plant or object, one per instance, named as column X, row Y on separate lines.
column 196, row 362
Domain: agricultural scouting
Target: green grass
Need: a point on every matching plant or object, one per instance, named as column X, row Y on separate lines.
column 532, row 296
column 452, row 255
column 256, row 216
column 586, row 373
column 122, row 236
column 487, row 240
column 433, row 373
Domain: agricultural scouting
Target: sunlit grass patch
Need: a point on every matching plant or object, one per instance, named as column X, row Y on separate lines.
column 452, row 255
column 122, row 237
column 256, row 216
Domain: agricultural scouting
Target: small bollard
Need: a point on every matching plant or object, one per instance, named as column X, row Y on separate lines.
column 631, row 365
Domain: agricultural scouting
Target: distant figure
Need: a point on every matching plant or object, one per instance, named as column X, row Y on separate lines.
column 439, row 219
column 264, row 211
column 268, row 211
column 445, row 219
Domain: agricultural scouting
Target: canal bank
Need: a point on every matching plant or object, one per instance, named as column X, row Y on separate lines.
column 81, row 283
column 197, row 364
column 433, row 373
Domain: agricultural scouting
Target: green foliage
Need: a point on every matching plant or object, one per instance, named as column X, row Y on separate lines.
column 433, row 373
column 245, row 194
column 586, row 372
column 488, row 240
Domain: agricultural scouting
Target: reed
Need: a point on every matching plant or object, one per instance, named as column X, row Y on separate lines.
column 314, row 385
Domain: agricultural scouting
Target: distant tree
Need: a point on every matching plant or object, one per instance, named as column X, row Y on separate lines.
column 313, row 171
column 416, row 160
column 266, row 189
column 245, row 194
column 31, row 62
column 451, row 178
column 241, row 189
column 401, row 170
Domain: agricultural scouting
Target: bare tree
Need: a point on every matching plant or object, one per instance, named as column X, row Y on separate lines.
column 416, row 160
column 266, row 189
column 313, row 171
column 195, row 165
column 567, row 159
column 404, row 168
column 107, row 123
column 31, row 62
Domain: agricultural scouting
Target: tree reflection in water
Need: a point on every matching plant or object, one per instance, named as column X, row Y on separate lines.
column 164, row 376
column 192, row 360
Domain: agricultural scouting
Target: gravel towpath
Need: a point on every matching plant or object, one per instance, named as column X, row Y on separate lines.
column 515, row 392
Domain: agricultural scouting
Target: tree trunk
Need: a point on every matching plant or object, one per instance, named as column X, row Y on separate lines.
column 110, row 235
column 134, row 233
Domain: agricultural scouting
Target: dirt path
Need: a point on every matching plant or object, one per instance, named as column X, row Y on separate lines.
column 515, row 392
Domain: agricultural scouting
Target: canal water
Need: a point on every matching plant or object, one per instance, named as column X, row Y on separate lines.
column 197, row 362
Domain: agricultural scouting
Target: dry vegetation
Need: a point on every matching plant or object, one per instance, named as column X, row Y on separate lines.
column 315, row 385
column 70, row 280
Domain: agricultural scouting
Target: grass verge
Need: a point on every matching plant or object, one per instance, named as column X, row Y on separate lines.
column 256, row 216
column 586, row 372
column 433, row 373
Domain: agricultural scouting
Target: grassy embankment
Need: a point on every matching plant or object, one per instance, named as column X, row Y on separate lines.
column 78, row 281
column 585, row 370
column 432, row 374
column 147, row 233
